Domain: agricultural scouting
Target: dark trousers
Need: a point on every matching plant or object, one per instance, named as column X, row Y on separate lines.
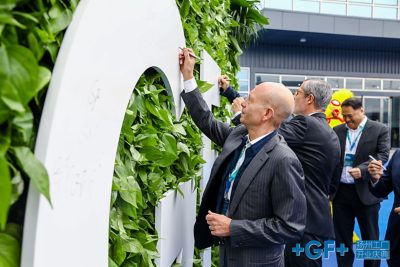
column 292, row 260
column 394, row 256
column 346, row 207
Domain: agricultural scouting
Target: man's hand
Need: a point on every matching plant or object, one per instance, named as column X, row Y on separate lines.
column 375, row 169
column 397, row 210
column 223, row 82
column 219, row 224
column 355, row 173
column 237, row 104
column 186, row 63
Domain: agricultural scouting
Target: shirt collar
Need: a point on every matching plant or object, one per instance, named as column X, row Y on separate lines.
column 257, row 139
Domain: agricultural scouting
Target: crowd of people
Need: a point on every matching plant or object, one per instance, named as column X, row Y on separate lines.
column 271, row 186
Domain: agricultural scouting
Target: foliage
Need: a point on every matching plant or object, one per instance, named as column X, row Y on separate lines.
column 30, row 36
column 223, row 28
column 31, row 33
column 155, row 154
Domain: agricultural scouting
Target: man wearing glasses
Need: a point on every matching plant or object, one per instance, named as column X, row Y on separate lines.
column 317, row 147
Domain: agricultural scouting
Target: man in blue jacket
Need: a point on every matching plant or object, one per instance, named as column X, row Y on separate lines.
column 382, row 184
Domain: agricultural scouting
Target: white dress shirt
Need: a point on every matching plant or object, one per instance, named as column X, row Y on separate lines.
column 355, row 136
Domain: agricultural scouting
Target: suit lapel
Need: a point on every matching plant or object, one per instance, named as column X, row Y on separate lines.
column 228, row 149
column 250, row 173
column 362, row 140
column 342, row 139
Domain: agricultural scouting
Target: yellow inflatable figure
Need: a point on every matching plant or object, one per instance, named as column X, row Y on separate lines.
column 334, row 117
column 333, row 111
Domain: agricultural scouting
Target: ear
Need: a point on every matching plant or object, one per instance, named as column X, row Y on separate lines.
column 268, row 114
column 311, row 99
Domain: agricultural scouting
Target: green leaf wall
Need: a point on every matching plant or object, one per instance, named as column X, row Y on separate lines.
column 156, row 152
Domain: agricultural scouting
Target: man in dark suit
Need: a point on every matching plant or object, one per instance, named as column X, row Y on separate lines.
column 254, row 202
column 317, row 147
column 383, row 183
column 359, row 137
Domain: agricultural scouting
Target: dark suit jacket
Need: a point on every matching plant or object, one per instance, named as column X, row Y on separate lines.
column 390, row 181
column 374, row 141
column 318, row 149
column 268, row 207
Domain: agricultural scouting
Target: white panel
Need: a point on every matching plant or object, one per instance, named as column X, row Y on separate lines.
column 175, row 217
column 209, row 72
column 107, row 47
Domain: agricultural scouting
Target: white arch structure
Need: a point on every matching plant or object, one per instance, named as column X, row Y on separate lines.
column 107, row 47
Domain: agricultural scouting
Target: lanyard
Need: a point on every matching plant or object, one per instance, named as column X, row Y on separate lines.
column 352, row 144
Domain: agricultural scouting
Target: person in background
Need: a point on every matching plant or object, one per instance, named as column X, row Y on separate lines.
column 382, row 184
column 317, row 147
column 359, row 137
column 254, row 201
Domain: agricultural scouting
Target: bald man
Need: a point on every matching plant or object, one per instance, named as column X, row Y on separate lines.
column 254, row 201
column 318, row 149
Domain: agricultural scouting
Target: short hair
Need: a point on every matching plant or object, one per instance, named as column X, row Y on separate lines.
column 321, row 91
column 353, row 102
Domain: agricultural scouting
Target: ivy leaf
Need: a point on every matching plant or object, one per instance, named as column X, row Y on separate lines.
column 10, row 251
column 132, row 245
column 184, row 10
column 111, row 263
column 60, row 19
column 5, row 138
column 204, row 86
column 43, row 78
column 34, row 169
column 130, row 191
column 22, row 128
column 5, row 192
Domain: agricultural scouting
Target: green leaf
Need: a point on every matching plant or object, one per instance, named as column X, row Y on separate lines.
column 24, row 73
column 130, row 191
column 257, row 16
column 10, row 251
column 34, row 169
column 185, row 6
column 132, row 245
column 60, row 20
column 118, row 253
column 7, row 18
column 243, row 3
column 5, row 138
column 5, row 192
column 111, row 263
column 22, row 128
column 43, row 78
column 204, row 86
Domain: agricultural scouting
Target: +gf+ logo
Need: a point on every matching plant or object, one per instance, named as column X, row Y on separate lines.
column 314, row 249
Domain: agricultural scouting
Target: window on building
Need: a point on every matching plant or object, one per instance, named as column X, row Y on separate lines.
column 279, row 4
column 386, row 2
column 359, row 10
column 260, row 78
column 306, row 6
column 372, row 84
column 391, row 84
column 243, row 77
column 336, row 83
column 333, row 8
column 385, row 12
column 361, row 1
column 315, row 78
column 353, row 84
column 293, row 82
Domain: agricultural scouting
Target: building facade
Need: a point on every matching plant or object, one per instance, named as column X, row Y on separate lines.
column 349, row 44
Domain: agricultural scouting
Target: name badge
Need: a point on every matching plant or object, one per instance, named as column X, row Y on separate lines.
column 348, row 160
